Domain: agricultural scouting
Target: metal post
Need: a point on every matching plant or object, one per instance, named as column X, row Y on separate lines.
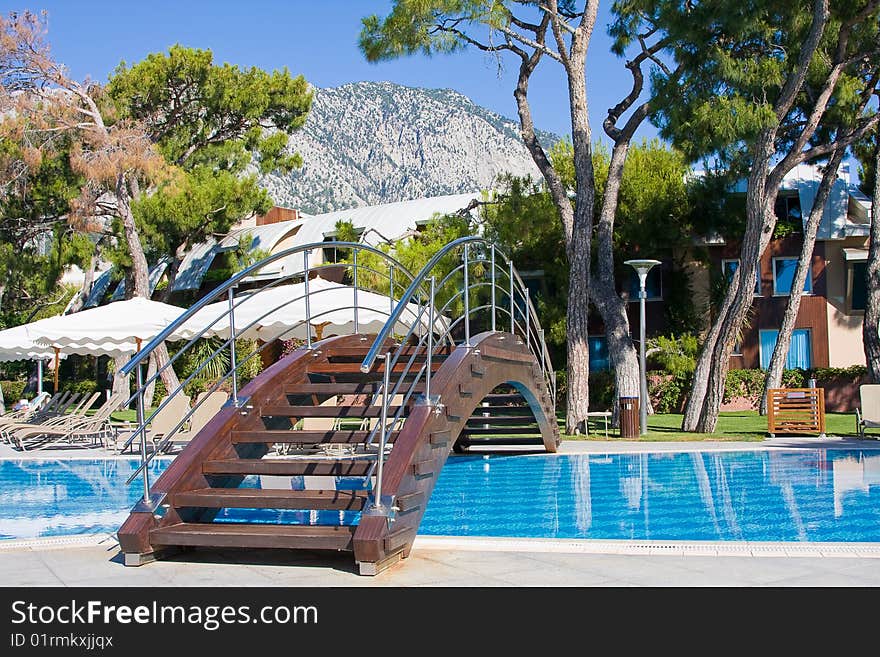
column 493, row 286
column 391, row 289
column 386, row 382
column 430, row 341
column 306, row 294
column 355, row 291
column 528, row 305
column 39, row 376
column 232, row 362
column 541, row 347
column 467, row 301
column 513, row 305
column 140, row 418
column 643, row 379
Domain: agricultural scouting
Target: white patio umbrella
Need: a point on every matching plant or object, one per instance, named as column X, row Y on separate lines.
column 16, row 343
column 117, row 329
column 114, row 329
column 281, row 312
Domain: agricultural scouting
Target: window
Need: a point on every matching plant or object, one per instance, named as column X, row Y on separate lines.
column 332, row 254
column 783, row 276
column 788, row 208
column 799, row 351
column 858, row 287
column 729, row 268
column 599, row 359
column 653, row 285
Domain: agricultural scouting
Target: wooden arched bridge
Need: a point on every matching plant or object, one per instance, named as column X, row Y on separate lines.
column 348, row 435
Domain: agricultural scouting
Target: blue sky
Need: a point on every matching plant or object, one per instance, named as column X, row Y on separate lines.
column 317, row 39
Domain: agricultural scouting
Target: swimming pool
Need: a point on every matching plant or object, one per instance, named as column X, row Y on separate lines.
column 760, row 495
column 57, row 497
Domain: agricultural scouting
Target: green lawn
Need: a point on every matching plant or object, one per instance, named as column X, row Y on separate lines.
column 734, row 425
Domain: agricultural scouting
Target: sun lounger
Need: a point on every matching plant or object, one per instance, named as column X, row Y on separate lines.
column 206, row 407
column 58, row 420
column 868, row 416
column 70, row 429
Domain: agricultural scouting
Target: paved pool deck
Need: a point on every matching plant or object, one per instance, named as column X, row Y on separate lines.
column 452, row 561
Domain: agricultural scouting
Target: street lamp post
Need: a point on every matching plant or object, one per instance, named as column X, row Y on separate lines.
column 642, row 268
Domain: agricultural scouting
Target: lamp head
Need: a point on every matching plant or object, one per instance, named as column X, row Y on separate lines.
column 642, row 266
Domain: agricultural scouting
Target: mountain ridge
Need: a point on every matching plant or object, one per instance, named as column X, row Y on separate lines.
column 366, row 143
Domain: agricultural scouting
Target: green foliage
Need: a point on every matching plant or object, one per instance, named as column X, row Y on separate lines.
column 36, row 242
column 668, row 392
column 80, row 386
column 853, row 373
column 201, row 113
column 216, row 124
column 218, row 366
column 655, row 212
column 734, row 58
column 414, row 252
column 13, row 391
column 601, row 390
column 866, row 153
column 674, row 355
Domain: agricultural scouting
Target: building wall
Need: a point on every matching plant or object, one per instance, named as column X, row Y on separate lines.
column 845, row 347
column 768, row 310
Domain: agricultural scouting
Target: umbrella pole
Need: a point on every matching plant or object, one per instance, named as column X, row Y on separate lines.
column 39, row 376
column 57, row 359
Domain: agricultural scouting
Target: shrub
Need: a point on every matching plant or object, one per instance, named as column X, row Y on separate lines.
column 674, row 355
column 668, row 392
column 601, row 390
column 82, row 386
column 13, row 391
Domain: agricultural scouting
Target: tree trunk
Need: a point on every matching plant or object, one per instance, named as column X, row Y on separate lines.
column 871, row 322
column 120, row 382
column 577, row 225
column 88, row 281
column 604, row 295
column 773, row 379
column 171, row 276
column 704, row 403
column 140, row 272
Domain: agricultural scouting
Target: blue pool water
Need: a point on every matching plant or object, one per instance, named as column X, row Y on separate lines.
column 798, row 495
column 67, row 496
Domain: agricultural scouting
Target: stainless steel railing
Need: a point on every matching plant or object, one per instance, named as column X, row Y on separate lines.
column 390, row 270
column 471, row 291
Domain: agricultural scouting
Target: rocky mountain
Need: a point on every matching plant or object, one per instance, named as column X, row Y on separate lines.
column 376, row 142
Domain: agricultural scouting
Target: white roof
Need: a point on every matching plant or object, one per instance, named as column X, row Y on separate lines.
column 376, row 223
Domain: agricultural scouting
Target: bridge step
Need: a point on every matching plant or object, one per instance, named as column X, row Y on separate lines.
column 270, row 498
column 355, row 368
column 225, row 535
column 339, row 388
column 474, row 431
column 325, row 411
column 501, row 419
column 304, row 437
column 290, row 467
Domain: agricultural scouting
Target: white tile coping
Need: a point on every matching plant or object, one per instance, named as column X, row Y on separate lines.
column 643, row 547
column 56, row 542
column 543, row 545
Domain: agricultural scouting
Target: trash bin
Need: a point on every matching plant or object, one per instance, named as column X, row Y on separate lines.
column 629, row 417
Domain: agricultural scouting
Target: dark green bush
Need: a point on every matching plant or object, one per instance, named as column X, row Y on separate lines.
column 82, row 386
column 13, row 391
